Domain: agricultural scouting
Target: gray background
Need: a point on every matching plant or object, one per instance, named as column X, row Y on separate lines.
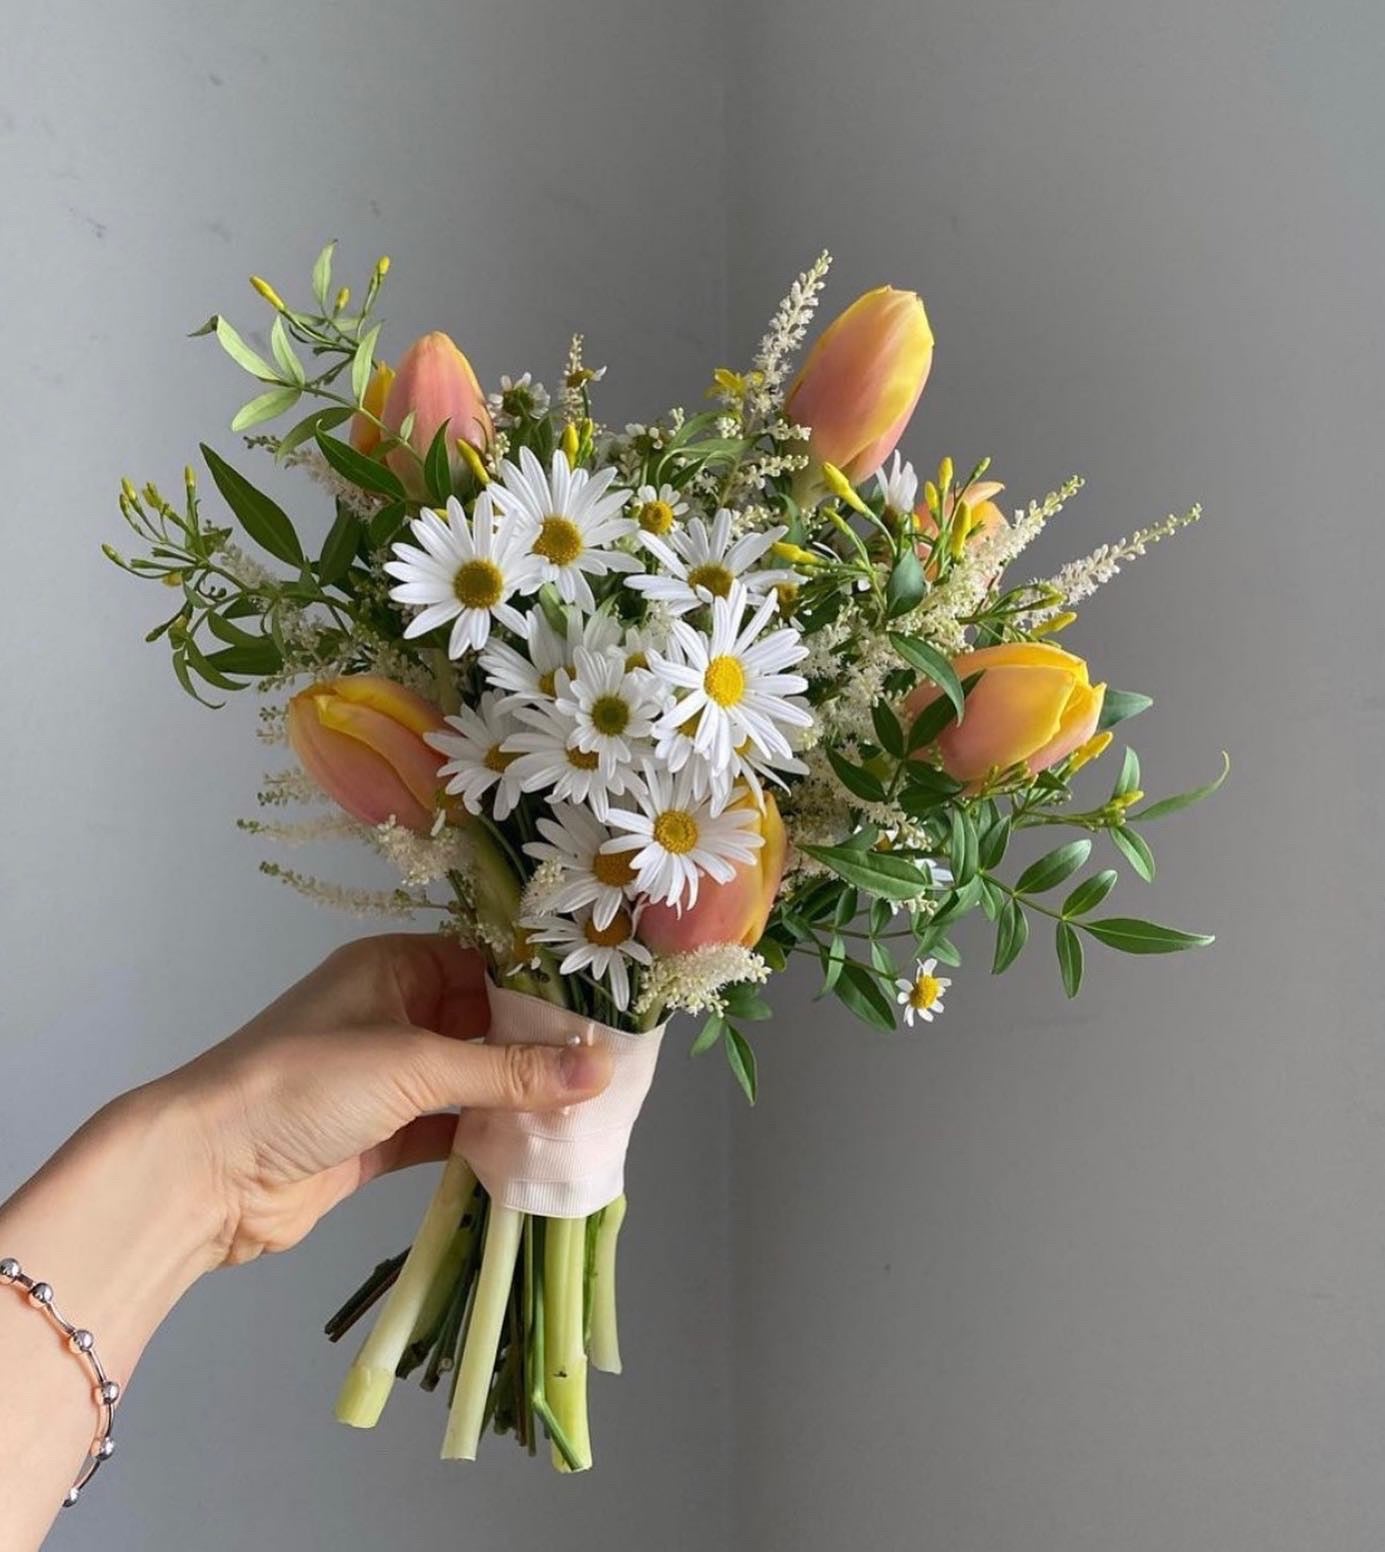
column 1039, row 1279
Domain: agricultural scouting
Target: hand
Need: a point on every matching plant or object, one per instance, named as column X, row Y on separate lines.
column 339, row 1081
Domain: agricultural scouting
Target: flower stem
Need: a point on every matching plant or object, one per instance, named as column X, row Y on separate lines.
column 605, row 1338
column 565, row 1357
column 503, row 1230
column 368, row 1381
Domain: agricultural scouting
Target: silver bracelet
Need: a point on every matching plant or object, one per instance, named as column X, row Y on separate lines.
column 106, row 1392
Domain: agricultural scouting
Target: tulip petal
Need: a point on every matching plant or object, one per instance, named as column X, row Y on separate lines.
column 352, row 775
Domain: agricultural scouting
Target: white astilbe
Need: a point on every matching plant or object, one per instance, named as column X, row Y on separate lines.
column 543, row 884
column 693, row 982
column 306, row 832
column 396, row 903
column 281, row 788
column 308, row 458
column 786, row 333
column 272, row 729
column 251, row 575
column 420, row 859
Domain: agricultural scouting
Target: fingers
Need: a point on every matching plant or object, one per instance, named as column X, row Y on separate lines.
column 424, row 979
column 514, row 1077
column 426, row 1140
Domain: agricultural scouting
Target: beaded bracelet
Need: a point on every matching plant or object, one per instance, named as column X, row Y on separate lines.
column 106, row 1392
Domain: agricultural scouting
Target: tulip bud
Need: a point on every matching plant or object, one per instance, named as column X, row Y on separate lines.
column 361, row 739
column 733, row 912
column 860, row 383
column 433, row 384
column 1033, row 705
column 365, row 433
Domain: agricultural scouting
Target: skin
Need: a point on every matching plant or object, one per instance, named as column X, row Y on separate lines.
column 235, row 1155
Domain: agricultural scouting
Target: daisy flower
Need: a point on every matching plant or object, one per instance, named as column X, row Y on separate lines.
column 602, row 950
column 567, row 518
column 591, row 878
column 924, row 994
column 518, row 397
column 676, row 838
column 549, row 756
column 475, row 760
column 612, row 706
column 735, row 684
column 466, row 571
column 705, row 563
column 535, row 677
column 657, row 510
column 899, row 486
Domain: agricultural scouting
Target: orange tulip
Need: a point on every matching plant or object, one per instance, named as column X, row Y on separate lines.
column 365, row 434
column 860, row 383
column 733, row 912
column 360, row 738
column 1033, row 704
column 435, row 383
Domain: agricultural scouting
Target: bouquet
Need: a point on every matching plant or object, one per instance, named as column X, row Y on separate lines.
column 641, row 713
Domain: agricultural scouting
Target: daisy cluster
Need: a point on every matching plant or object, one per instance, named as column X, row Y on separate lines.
column 624, row 664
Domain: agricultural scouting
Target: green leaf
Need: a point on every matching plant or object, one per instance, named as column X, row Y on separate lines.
column 265, row 406
column 322, row 275
column 208, row 671
column 1132, row 936
column 772, row 953
column 859, row 991
column 263, row 519
column 904, row 590
column 1130, row 774
column 963, row 846
column 239, row 352
column 1182, row 800
column 360, row 470
column 1011, row 934
column 437, row 466
column 856, row 780
column 887, row 729
column 1120, row 706
column 282, row 346
column 1090, row 893
column 994, row 840
column 742, row 1061
column 257, row 658
column 878, row 873
column 833, row 962
column 1135, row 849
column 386, row 524
column 339, row 548
column 361, row 363
column 309, row 426
column 1053, row 867
column 743, row 1001
column 708, row 1035
column 1069, row 947
column 932, row 665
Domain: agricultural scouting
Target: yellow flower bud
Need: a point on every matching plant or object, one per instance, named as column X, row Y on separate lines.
column 128, row 490
column 472, row 459
column 382, row 266
column 945, row 473
column 1125, row 800
column 569, row 442
column 932, row 498
column 1096, row 745
column 343, row 297
column 794, row 554
column 1055, row 623
column 842, row 488
column 268, row 292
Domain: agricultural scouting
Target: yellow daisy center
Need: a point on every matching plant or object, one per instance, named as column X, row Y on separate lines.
column 613, row 868
column 676, row 831
column 498, row 759
column 688, row 727
column 716, row 579
column 580, row 760
column 608, row 937
column 724, row 681
column 634, row 661
column 787, row 594
column 924, row 993
column 610, row 715
column 479, row 584
column 559, row 540
column 655, row 517
column 548, row 682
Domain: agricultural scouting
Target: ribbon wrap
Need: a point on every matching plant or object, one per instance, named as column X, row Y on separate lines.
column 565, row 1163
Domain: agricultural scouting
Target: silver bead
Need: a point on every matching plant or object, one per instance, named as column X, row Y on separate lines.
column 72, row 1495
column 82, row 1341
column 41, row 1293
column 110, row 1392
column 10, row 1270
column 103, row 1449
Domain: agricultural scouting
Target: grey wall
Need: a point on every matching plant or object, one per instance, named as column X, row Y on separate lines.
column 1042, row 1278
column 1053, row 1278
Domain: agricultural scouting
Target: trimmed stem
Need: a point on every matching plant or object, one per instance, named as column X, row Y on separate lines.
column 605, row 1337
column 367, row 1386
column 492, row 1297
column 565, row 1357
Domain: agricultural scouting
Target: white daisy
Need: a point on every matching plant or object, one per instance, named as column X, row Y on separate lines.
column 613, row 707
column 735, row 684
column 535, row 677
column 657, row 511
column 475, row 760
column 549, row 756
column 924, row 994
column 600, row 880
column 567, row 518
column 602, row 950
column 466, row 571
column 705, row 563
column 518, row 396
column 751, row 769
column 899, row 487
column 676, row 837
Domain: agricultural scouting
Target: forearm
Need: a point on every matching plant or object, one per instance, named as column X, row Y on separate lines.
column 120, row 1224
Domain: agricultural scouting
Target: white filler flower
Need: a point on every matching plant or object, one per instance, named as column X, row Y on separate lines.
column 475, row 760
column 705, row 563
column 465, row 571
column 589, row 877
column 602, row 950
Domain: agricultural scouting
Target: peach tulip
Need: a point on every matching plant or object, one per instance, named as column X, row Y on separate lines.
column 435, row 383
column 733, row 912
column 360, row 738
column 1034, row 704
column 860, row 383
column 365, row 434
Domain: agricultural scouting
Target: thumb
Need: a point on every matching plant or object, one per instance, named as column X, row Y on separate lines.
column 509, row 1077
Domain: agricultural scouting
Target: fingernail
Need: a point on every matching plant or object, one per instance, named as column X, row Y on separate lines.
column 583, row 1068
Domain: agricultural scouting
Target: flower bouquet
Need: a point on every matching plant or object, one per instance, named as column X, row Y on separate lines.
column 642, row 714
